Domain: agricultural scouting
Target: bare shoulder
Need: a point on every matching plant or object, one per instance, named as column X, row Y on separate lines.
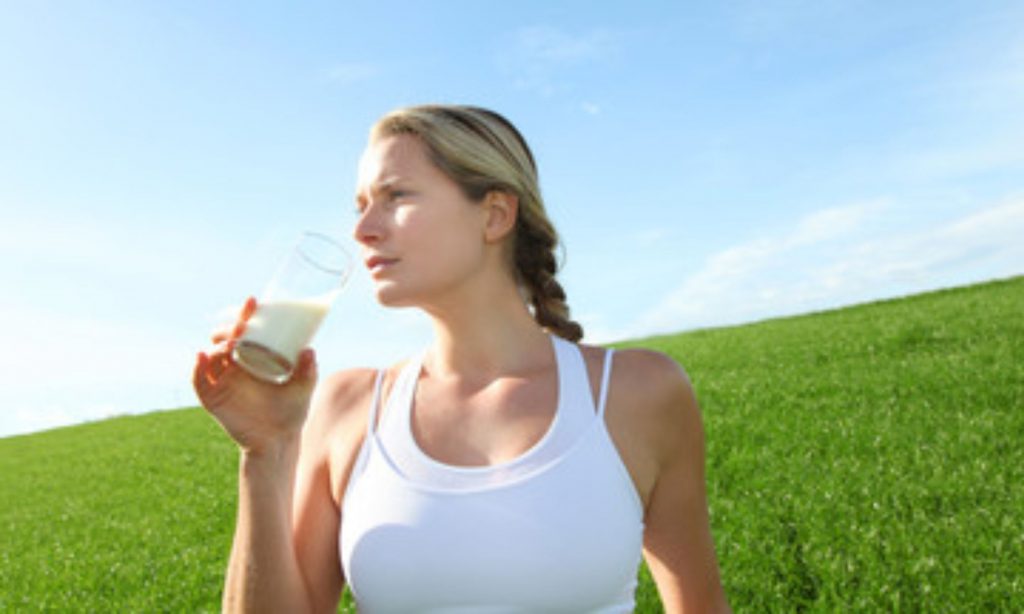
column 651, row 412
column 650, row 383
column 649, row 367
column 646, row 379
column 657, row 393
column 336, row 425
column 337, row 392
column 340, row 398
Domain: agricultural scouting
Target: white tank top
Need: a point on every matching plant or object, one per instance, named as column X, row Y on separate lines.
column 557, row 529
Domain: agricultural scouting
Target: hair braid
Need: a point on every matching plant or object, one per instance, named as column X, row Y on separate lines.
column 536, row 265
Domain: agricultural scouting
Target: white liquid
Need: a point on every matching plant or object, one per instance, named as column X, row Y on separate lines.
column 282, row 327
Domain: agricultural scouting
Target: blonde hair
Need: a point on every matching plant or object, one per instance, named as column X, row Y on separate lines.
column 481, row 151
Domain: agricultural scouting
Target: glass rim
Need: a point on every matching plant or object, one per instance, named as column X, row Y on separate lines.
column 346, row 267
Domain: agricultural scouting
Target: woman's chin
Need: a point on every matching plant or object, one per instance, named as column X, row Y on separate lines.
column 390, row 297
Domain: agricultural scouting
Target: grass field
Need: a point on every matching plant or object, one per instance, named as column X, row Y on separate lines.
column 867, row 459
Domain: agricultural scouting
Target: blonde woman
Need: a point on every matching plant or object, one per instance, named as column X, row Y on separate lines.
column 506, row 468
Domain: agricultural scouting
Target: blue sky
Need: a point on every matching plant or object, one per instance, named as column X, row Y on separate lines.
column 706, row 163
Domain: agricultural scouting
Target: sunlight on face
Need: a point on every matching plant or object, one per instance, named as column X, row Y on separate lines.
column 420, row 234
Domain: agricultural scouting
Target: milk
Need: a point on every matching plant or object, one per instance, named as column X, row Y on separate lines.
column 276, row 333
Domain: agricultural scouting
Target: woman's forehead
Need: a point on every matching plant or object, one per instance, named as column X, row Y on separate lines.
column 389, row 159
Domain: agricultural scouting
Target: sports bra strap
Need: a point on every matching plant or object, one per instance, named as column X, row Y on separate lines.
column 604, row 381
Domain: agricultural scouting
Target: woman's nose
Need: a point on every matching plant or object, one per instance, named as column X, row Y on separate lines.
column 368, row 228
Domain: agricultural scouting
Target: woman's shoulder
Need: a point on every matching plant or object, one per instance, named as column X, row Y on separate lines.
column 349, row 392
column 337, row 422
column 655, row 382
column 340, row 391
column 652, row 392
column 651, row 413
column 641, row 376
column 650, row 364
column 339, row 400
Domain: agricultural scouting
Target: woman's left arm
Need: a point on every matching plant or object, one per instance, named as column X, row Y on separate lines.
column 678, row 546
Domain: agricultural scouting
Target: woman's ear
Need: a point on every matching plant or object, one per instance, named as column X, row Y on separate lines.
column 501, row 209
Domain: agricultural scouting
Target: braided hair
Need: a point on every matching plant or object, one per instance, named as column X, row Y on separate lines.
column 481, row 151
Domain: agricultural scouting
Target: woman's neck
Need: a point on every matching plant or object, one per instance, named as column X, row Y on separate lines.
column 487, row 336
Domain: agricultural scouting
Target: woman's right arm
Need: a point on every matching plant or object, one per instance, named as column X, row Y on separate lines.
column 263, row 571
column 284, row 555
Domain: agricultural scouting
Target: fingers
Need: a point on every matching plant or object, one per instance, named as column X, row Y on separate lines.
column 306, row 368
column 199, row 371
column 248, row 308
column 221, row 361
column 230, row 332
column 211, row 368
column 203, row 380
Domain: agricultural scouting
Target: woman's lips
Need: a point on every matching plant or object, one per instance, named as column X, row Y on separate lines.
column 376, row 264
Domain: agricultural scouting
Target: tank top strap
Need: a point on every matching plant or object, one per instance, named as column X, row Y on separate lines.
column 573, row 386
column 371, row 420
column 605, row 378
column 398, row 405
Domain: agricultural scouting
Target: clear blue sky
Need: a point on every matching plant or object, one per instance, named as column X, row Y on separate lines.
column 707, row 163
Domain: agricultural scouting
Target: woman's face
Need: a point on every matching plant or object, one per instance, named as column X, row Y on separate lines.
column 421, row 236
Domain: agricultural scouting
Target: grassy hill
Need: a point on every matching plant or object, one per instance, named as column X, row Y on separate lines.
column 865, row 459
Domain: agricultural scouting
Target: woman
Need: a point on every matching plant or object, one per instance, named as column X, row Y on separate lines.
column 504, row 469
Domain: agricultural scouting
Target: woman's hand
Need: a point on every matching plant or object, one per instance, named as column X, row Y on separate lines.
column 256, row 414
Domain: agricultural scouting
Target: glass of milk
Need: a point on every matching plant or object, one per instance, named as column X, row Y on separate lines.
column 290, row 310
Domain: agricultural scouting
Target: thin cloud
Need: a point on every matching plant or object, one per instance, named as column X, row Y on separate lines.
column 833, row 258
column 834, row 222
column 986, row 240
column 554, row 46
column 538, row 57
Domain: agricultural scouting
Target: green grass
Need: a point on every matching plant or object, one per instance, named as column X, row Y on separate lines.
column 867, row 459
column 131, row 514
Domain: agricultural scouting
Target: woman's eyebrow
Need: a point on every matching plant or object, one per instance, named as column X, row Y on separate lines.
column 378, row 187
column 388, row 183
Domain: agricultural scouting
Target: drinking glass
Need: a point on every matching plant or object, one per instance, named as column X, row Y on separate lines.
column 292, row 306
